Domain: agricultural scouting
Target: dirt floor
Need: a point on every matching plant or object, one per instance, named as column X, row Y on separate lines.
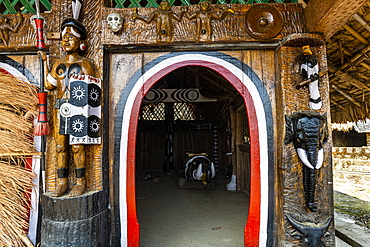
column 169, row 216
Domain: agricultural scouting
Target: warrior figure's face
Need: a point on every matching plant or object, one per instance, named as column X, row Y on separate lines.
column 70, row 42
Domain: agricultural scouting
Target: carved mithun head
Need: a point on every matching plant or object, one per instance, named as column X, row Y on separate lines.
column 115, row 22
column 310, row 232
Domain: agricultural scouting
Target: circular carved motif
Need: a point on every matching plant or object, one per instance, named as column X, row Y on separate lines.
column 263, row 21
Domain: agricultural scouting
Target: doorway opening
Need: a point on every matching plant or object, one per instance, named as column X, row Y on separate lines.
column 192, row 112
column 260, row 226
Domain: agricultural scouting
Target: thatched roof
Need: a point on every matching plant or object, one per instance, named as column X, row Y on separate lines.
column 348, row 51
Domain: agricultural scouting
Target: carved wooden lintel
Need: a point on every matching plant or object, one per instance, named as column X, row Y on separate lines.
column 9, row 25
column 220, row 24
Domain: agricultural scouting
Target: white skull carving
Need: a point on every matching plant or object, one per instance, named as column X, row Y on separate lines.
column 115, row 22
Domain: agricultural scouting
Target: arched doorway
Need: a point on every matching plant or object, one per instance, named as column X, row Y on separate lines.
column 191, row 112
column 260, row 224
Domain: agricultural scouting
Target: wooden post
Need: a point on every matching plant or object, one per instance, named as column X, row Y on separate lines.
column 290, row 168
column 76, row 221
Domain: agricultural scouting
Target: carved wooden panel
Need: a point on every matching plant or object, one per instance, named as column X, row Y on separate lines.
column 290, row 167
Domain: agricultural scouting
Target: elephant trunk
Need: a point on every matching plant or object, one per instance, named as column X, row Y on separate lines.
column 309, row 182
column 313, row 156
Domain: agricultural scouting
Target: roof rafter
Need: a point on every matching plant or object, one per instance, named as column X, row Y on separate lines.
column 345, row 95
column 337, row 73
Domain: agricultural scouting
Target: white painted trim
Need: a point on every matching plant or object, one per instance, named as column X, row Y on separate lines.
column 262, row 130
column 34, row 210
column 14, row 72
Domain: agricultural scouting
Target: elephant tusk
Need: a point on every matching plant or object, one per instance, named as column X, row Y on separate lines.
column 303, row 156
column 320, row 158
column 197, row 174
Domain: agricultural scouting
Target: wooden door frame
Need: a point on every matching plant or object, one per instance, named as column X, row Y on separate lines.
column 260, row 225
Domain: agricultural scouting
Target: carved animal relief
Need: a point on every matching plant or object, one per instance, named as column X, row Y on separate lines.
column 308, row 132
column 310, row 233
column 200, row 168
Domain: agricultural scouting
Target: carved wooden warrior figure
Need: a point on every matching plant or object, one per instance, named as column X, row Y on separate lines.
column 204, row 17
column 163, row 17
column 70, row 68
column 308, row 132
column 310, row 70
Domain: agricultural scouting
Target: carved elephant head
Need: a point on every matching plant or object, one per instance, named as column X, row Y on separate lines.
column 200, row 168
column 308, row 132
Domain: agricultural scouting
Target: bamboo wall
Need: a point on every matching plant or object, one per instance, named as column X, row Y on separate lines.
column 150, row 149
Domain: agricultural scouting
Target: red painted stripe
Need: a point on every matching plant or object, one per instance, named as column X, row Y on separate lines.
column 133, row 227
column 4, row 71
column 252, row 227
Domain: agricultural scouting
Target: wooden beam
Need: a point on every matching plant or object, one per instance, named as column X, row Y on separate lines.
column 365, row 65
column 335, row 103
column 338, row 74
column 356, row 34
column 359, row 57
column 328, row 16
column 345, row 95
column 362, row 21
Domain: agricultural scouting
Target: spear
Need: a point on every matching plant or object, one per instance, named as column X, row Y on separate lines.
column 42, row 126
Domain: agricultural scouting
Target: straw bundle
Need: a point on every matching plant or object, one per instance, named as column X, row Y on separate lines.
column 15, row 187
column 18, row 102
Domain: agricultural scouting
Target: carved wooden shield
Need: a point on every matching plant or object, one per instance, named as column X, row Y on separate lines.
column 263, row 21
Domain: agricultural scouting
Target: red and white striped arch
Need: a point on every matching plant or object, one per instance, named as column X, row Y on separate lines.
column 255, row 231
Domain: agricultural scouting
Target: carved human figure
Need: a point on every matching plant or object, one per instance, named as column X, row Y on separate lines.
column 204, row 17
column 163, row 17
column 73, row 33
column 310, row 70
column 5, row 27
column 308, row 132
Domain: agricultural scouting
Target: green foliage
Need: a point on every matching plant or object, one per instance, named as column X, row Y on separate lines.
column 154, row 3
column 14, row 6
